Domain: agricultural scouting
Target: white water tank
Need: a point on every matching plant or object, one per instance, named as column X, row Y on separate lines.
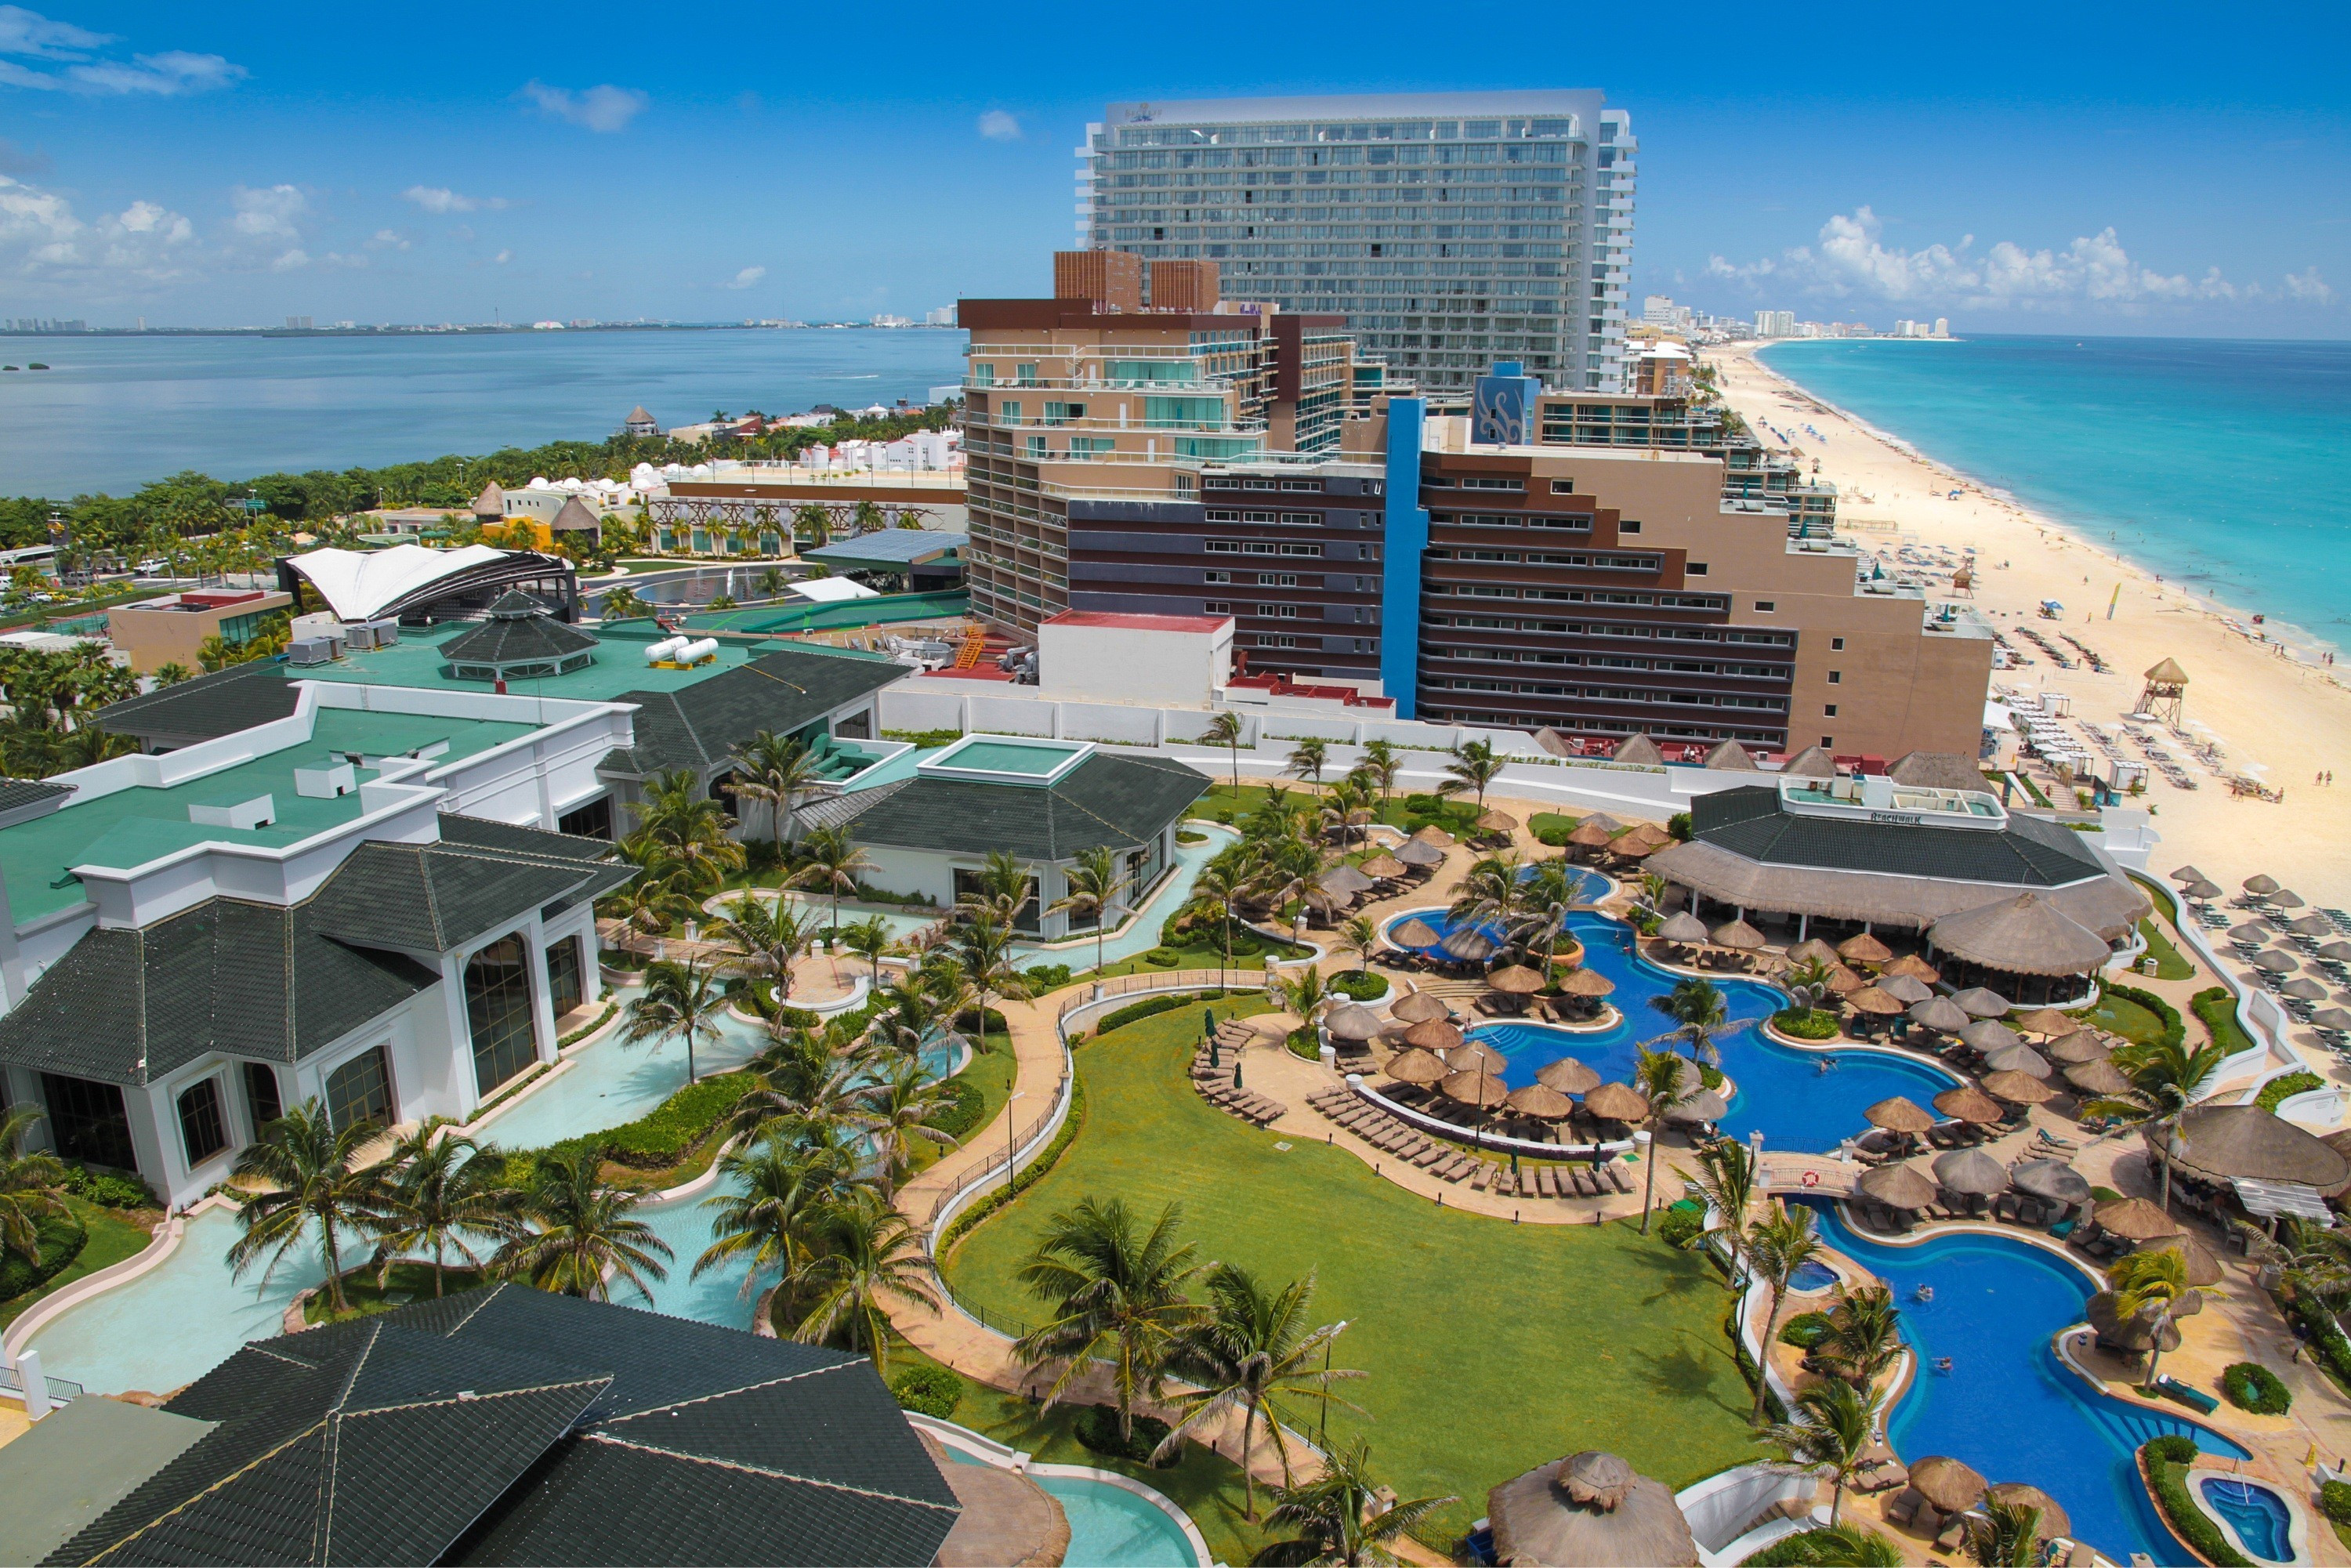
column 666, row 648
column 695, row 652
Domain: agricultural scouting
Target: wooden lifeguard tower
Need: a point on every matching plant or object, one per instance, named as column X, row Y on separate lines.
column 2165, row 692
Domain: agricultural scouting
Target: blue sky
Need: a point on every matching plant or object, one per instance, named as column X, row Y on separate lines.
column 2170, row 170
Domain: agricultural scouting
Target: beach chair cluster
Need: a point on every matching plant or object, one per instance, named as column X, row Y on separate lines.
column 1214, row 1077
column 1448, row 1162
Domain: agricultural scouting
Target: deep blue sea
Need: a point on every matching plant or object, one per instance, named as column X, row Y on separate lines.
column 2218, row 464
column 113, row 414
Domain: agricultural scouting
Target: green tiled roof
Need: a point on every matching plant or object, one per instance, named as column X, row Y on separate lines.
column 699, row 725
column 436, row 898
column 205, row 707
column 517, row 631
column 2027, row 852
column 1106, row 801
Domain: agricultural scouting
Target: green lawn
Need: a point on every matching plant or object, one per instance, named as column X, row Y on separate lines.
column 990, row 1071
column 2170, row 963
column 112, row 1239
column 1491, row 1347
column 362, row 1297
column 1223, row 803
column 2118, row 1015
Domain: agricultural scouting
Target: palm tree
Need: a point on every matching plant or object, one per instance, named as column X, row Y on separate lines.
column 1215, row 890
column 31, row 1186
column 1657, row 1074
column 1490, row 892
column 1360, row 934
column 1382, row 765
column 868, row 1255
column 444, row 1190
column 1349, row 804
column 767, row 937
column 679, row 826
column 1095, row 880
column 2150, row 1286
column 897, row 1115
column 868, row 939
column 1226, row 729
column 984, row 948
column 2167, row 1079
column 766, row 1209
column 830, row 860
column 680, row 999
column 1335, row 1515
column 2005, row 1535
column 1829, row 1429
column 1003, row 888
column 1115, row 1296
column 1308, row 759
column 1779, row 1245
column 1304, row 993
column 1254, row 1352
column 1841, row 1546
column 623, row 604
column 1725, row 1175
column 776, row 772
column 1698, row 1007
column 1474, row 766
column 652, row 903
column 580, row 1232
column 308, row 1180
column 1864, row 1334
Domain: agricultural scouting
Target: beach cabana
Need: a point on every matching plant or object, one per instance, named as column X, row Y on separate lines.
column 1968, row 1104
column 1422, row 1067
column 2018, row 1087
column 1971, row 1173
column 1419, row 1006
column 1977, row 1002
column 1588, row 1507
column 2053, row 1181
column 2221, row 1143
column 1896, row 1187
column 1569, row 1076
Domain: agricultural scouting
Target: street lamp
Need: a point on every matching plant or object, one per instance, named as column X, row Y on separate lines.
column 1011, row 1175
column 1324, row 1441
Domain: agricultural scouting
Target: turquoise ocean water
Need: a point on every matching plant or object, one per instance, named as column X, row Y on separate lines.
column 113, row 414
column 2215, row 463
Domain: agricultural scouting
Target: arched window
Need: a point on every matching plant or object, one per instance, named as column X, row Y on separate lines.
column 498, row 1010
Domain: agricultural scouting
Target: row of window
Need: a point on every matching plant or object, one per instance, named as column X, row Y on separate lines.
column 1612, row 662
column 1284, row 519
column 1520, row 520
column 1260, row 547
column 1581, row 562
column 1610, row 694
column 1580, row 629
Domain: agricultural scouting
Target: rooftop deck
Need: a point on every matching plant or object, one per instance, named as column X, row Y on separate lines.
column 619, row 666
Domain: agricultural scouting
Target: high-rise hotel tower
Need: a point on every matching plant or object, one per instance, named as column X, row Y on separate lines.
column 1450, row 229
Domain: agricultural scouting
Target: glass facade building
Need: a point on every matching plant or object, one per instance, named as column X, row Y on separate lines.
column 1449, row 229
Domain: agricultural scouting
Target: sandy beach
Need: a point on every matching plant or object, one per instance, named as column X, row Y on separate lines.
column 2277, row 714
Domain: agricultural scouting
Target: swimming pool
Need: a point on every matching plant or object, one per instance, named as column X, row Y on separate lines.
column 1109, row 1526
column 2008, row 1406
column 2263, row 1524
column 1812, row 1276
column 1779, row 1090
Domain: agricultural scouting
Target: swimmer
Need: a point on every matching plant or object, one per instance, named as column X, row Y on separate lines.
column 1943, row 1366
column 1923, row 1294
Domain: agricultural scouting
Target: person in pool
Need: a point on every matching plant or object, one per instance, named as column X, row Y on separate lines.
column 1923, row 1294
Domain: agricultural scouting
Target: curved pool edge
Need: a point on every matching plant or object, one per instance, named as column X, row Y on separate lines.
column 990, row 1451
column 155, row 1254
column 2297, row 1521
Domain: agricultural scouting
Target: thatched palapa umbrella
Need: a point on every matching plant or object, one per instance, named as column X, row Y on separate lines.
column 1414, row 932
column 2132, row 1334
column 2187, row 873
column 1416, row 852
column 1988, row 1039
column 2203, row 1269
column 2285, row 898
column 1843, row 981
column 2019, row 1058
column 2332, row 1017
column 2053, row 1180
column 1479, row 1088
column 1588, row 1507
column 2133, row 1219
column 1905, row 989
column 1469, row 945
column 1516, row 980
column 1683, row 927
column 1418, row 1067
column 1870, row 999
column 1541, row 1102
column 1586, row 983
column 2276, row 961
column 1470, row 1055
column 1896, row 1187
column 1813, row 950
column 1738, row 934
column 1343, row 881
column 2017, row 1089
column 1385, row 866
column 1899, row 1114
column 2338, row 951
column 1947, row 1483
column 1616, row 1103
column 1432, row 1034
column 2053, row 1522
column 1605, row 822
column 1939, row 1014
column 1433, row 835
column 1589, row 835
column 1977, row 1002
column 1864, row 948
column 2026, row 934
column 2311, row 925
column 2260, row 885
column 2201, row 890
column 1569, row 1076
column 2304, row 988
column 1353, row 1022
column 1917, row 969
column 1706, row 1105
column 2100, row 1077
column 1498, row 822
column 1972, row 1172
column 1968, row 1104
column 2070, row 1050
column 1639, row 844
column 2048, row 1020
column 1419, row 1006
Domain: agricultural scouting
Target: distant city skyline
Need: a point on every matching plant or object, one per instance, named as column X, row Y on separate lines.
column 2029, row 172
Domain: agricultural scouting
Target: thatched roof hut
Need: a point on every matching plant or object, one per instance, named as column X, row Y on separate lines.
column 2222, row 1142
column 1812, row 762
column 2081, row 1045
column 1863, row 948
column 2098, row 1076
column 1938, row 770
column 2050, row 1021
column 1813, row 950
column 1871, row 1000
column 2051, row 1180
column 1683, row 927
column 1353, row 1022
column 2259, row 884
column 1418, row 1006
column 1899, row 1114
column 1616, row 1103
column 2019, row 1058
column 2026, row 934
column 2018, row 1087
column 1418, row 1067
column 1516, row 980
column 1950, row 1486
column 1896, row 1187
column 1589, row 835
column 1469, row 945
column 1569, row 1076
column 1343, row 881
column 1979, row 1001
column 1476, row 1088
column 1917, row 969
column 1414, row 932
column 1466, row 1056
column 1972, row 1171
column 1639, row 750
column 1738, row 934
column 1585, row 982
column 1432, row 1034
column 1938, row 1013
column 1430, row 834
column 2133, row 1219
column 1968, row 1104
column 1417, row 852
column 2132, row 1334
column 1540, row 1100
column 1729, row 757
column 1589, row 1508
column 1988, row 1039
column 1905, row 990
column 2203, row 1269
column 1383, row 866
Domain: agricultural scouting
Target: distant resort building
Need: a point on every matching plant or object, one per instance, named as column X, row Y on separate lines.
column 641, row 425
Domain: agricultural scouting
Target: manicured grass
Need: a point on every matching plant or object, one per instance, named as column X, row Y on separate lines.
column 2119, row 1015
column 1223, row 803
column 112, row 1238
column 2170, row 963
column 362, row 1297
column 991, row 1073
column 1491, row 1347
column 2218, row 1012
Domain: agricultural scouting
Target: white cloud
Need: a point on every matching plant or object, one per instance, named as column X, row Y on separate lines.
column 70, row 52
column 42, row 241
column 503, row 257
column 1852, row 260
column 603, row 108
column 389, row 239
column 998, row 126
column 267, row 214
column 747, row 277
column 441, row 198
column 2307, row 285
column 292, row 261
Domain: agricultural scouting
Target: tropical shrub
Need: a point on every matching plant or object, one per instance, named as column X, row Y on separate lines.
column 2173, row 1447
column 61, row 1237
column 2335, row 1501
column 1150, row 1007
column 2252, row 1387
column 1163, row 957
column 1046, row 978
column 1552, row 828
column 665, row 1135
column 929, row 1390
column 1097, row 1427
column 1680, row 1226
column 2275, row 1092
column 1364, row 987
column 964, row 1107
column 2190, row 1522
column 1805, row 1023
column 1805, row 1331
column 2218, row 1009
column 110, row 1190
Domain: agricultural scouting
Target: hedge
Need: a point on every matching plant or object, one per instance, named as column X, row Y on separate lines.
column 928, row 1389
column 591, row 1027
column 1134, row 1012
column 966, row 1105
column 1044, row 1161
column 2335, row 1501
column 61, row 1237
column 1097, row 1428
column 1362, row 987
column 661, row 1137
column 2174, row 1032
column 1680, row 1226
column 2218, row 1011
column 1805, row 1331
column 1046, row 978
column 1805, row 1023
column 2327, row 1338
column 110, row 1190
column 2276, row 1091
column 2190, row 1522
column 2252, row 1387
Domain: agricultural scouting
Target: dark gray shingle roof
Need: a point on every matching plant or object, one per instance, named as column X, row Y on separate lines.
column 435, row 898
column 696, row 727
column 2027, row 852
column 1105, row 800
column 519, row 630
column 207, row 706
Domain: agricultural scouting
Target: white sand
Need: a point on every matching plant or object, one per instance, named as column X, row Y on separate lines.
column 2278, row 718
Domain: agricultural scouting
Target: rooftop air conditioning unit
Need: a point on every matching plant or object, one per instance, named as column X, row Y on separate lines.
column 311, row 651
column 365, row 635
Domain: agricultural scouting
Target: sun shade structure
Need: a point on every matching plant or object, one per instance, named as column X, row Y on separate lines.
column 2338, row 951
column 2202, row 891
column 1589, row 835
column 1871, row 1000
column 1683, row 927
column 2018, row 1087
column 1585, row 982
column 1812, row 762
column 1843, row 981
column 1899, row 1114
column 1905, row 990
column 2051, row 1180
column 1498, row 822
column 1540, row 1100
column 1385, row 867
column 2054, row 1521
column 2311, row 925
column 2134, row 1334
column 1569, row 1076
column 1416, row 852
column 1917, row 969
column 2276, row 961
column 1706, row 1105
column 1978, row 1002
column 1896, row 1187
column 1813, row 950
column 2019, row 1058
column 1616, row 1103
column 2203, row 1269
column 1588, row 1507
column 1968, row 1104
column 1469, row 945
column 520, row 640
column 2133, row 1219
column 1469, row 1054
column 1432, row 1034
column 1415, row 934
column 1987, row 1037
column 2187, row 873
column 1738, row 934
column 1355, row 1023
column 1516, row 979
column 2100, row 1077
column 2286, row 898
column 1864, row 948
column 2080, row 1046
column 2026, row 934
column 2304, row 988
column 2259, row 884
column 1343, row 881
column 2332, row 1017
column 1950, row 1486
column 1482, row 1090
column 1638, row 844
column 2225, row 1143
column 1419, row 1006
column 1972, row 1172
column 2050, row 1021
column 1729, row 757
column 1417, row 1067
column 1434, row 836
column 1938, row 1013
column 369, row 585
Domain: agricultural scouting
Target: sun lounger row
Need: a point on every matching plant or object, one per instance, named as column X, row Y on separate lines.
column 1215, row 1086
column 1446, row 1162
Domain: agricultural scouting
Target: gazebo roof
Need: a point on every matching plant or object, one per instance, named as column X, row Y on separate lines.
column 2026, row 934
column 2225, row 1142
column 1640, row 750
column 1589, row 1508
column 1729, row 757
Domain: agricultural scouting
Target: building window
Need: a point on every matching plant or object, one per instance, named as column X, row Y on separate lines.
column 262, row 1100
column 1217, row 607
column 1628, row 528
column 1836, row 644
column 361, row 1091
column 1828, row 710
column 1837, row 677
column 1828, row 742
column 593, row 820
column 1766, row 606
column 499, row 1009
column 204, row 1130
column 1694, row 569
column 565, row 968
column 88, row 1122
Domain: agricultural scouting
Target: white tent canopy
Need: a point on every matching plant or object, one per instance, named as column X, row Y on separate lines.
column 360, row 586
column 832, row 590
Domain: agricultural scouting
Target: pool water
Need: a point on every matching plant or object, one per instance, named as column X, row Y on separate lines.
column 1813, row 1277
column 1010, row 757
column 2257, row 1514
column 2007, row 1406
column 1109, row 1526
column 1779, row 1090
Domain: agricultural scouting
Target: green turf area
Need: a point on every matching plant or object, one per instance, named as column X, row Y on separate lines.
column 112, row 1238
column 1223, row 803
column 989, row 1072
column 1491, row 1347
column 407, row 1282
column 2170, row 964
column 2118, row 1015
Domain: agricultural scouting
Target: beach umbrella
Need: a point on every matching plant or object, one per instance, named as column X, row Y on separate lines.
column 1516, row 980
column 1616, row 1103
column 2338, row 951
column 1605, row 822
column 1683, row 927
column 1972, row 1172
column 1569, row 1076
column 1329, row 903
column 2070, row 1049
column 1843, row 981
column 1977, row 1002
column 2054, row 1180
column 2187, row 873
column 2250, row 931
column 1415, row 853
column 1874, row 1001
column 2100, row 1077
column 2133, row 1219
column 1343, row 881
column 2052, row 1522
column 1414, row 932
column 2304, row 988
column 1637, row 846
column 2276, row 961
column 2203, row 1269
column 2019, row 1059
column 1987, row 1037
column 1864, row 949
column 1813, row 950
column 1899, row 1114
column 1968, row 1104
column 1432, row 1034
column 1480, row 1088
column 1950, row 1485
column 1938, row 1013
column 2311, row 925
column 1355, row 1023
column 1419, row 1006
column 1385, row 866
column 1588, row 1507
column 1738, row 933
column 1541, row 1102
column 1917, row 969
column 1706, row 1105
column 1469, row 945
column 2202, row 891
column 2285, row 899
column 2331, row 1017
column 1589, row 835
column 1896, row 1187
column 2048, row 1020
column 1585, row 982
column 1471, row 1054
column 1498, row 822
column 1417, row 1067
column 2133, row 1335
column 1435, row 836
column 2260, row 887
column 2018, row 1087
column 1905, row 989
